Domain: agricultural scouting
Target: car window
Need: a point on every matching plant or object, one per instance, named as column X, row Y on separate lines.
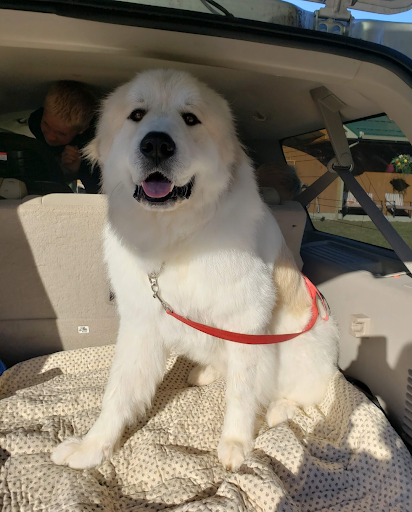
column 383, row 166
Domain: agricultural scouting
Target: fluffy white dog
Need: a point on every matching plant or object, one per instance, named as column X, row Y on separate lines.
column 183, row 201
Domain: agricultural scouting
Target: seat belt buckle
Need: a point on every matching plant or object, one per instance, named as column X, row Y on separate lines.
column 333, row 166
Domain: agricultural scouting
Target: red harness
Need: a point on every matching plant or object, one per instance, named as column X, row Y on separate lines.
column 248, row 339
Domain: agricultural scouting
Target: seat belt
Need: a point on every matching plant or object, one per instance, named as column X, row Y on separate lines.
column 318, row 186
column 330, row 106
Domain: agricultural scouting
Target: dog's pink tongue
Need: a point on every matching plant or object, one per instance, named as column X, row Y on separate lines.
column 156, row 188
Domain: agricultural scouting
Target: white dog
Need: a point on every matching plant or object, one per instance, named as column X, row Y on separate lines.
column 183, row 201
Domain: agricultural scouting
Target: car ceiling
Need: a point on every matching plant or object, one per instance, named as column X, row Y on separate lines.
column 37, row 49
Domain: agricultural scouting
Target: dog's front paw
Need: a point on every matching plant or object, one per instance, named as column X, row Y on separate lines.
column 202, row 376
column 232, row 453
column 80, row 453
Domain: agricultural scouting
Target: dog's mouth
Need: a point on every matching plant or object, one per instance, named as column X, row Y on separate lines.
column 156, row 188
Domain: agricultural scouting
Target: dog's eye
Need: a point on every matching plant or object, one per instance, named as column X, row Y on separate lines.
column 137, row 115
column 190, row 119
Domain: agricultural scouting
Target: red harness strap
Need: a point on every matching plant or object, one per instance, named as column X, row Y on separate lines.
column 258, row 339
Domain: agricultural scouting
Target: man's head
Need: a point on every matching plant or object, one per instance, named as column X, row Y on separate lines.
column 68, row 109
column 282, row 178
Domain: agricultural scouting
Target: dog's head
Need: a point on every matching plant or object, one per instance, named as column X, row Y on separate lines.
column 168, row 139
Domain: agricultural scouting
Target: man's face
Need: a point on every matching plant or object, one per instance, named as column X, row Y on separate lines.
column 55, row 131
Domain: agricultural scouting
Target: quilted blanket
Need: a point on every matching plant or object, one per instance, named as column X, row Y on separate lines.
column 340, row 456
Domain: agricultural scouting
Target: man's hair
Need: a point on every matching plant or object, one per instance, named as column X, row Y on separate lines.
column 282, row 177
column 73, row 102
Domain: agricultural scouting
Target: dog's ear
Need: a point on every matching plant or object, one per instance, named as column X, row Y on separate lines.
column 113, row 113
column 91, row 152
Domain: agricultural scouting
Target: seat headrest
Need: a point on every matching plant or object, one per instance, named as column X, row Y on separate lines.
column 270, row 195
column 10, row 188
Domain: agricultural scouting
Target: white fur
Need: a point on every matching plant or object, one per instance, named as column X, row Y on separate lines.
column 219, row 249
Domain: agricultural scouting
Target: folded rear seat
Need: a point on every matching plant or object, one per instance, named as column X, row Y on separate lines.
column 54, row 294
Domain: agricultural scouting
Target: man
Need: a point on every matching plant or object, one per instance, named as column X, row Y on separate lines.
column 66, row 125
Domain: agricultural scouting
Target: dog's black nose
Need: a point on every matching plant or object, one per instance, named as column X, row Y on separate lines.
column 157, row 146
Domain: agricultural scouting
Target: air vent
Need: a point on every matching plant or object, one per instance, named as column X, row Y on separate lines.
column 407, row 419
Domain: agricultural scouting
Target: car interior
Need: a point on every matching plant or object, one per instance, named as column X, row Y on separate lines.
column 52, row 278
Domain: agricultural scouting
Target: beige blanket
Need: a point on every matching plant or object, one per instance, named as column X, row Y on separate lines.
column 340, row 456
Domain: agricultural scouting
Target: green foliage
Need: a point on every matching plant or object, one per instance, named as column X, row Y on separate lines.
column 365, row 231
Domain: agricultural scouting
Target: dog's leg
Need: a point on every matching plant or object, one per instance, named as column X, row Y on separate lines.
column 203, row 375
column 280, row 411
column 137, row 368
column 241, row 406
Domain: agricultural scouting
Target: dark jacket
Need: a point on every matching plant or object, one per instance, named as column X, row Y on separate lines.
column 88, row 176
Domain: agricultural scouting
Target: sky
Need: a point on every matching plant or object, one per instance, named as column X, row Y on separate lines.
column 403, row 17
